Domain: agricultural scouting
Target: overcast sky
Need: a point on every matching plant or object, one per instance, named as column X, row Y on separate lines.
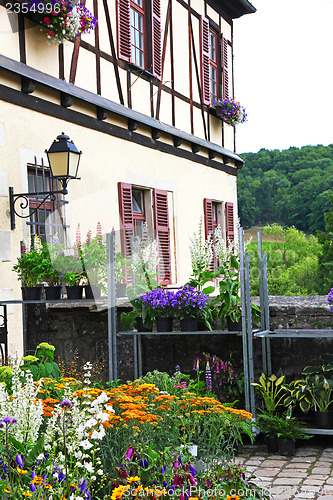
column 284, row 74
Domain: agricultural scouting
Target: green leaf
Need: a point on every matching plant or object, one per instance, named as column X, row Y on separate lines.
column 304, row 405
column 208, row 290
column 17, row 445
column 35, row 451
column 311, row 370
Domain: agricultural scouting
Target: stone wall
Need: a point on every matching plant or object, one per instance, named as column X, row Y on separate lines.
column 83, row 328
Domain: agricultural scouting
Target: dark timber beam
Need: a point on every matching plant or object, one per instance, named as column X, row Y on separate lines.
column 176, row 141
column 132, row 125
column 102, row 113
column 66, row 100
column 27, row 86
column 156, row 134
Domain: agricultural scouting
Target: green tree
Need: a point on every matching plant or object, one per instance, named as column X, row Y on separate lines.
column 292, row 259
column 325, row 262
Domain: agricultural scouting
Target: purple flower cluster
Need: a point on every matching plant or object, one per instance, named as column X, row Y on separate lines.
column 231, row 111
column 330, row 299
column 160, row 301
column 190, row 301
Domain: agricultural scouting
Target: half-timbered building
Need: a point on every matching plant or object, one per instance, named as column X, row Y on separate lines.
column 135, row 96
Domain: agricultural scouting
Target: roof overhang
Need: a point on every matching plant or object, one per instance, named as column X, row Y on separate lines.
column 232, row 8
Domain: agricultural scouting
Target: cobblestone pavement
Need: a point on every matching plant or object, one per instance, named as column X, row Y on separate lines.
column 308, row 475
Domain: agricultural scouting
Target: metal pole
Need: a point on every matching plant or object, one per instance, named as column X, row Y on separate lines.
column 266, row 307
column 244, row 329
column 262, row 309
column 136, row 338
column 249, row 333
column 112, row 308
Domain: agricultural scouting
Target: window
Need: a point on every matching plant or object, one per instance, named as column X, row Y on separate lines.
column 214, row 62
column 48, row 219
column 139, row 34
column 213, row 216
column 139, row 215
column 133, row 215
column 213, row 74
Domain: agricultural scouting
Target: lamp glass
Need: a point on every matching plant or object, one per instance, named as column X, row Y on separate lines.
column 73, row 164
column 58, row 164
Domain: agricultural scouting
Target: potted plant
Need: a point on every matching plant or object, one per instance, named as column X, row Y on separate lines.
column 29, row 269
column 314, row 391
column 230, row 111
column 272, row 391
column 64, row 20
column 94, row 264
column 51, row 274
column 158, row 306
column 268, row 425
column 121, row 285
column 190, row 305
column 73, row 274
column 288, row 430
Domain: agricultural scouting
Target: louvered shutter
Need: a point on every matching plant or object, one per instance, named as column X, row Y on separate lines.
column 208, row 213
column 205, row 56
column 225, row 75
column 209, row 230
column 126, row 217
column 124, row 29
column 162, row 228
column 229, row 221
column 156, row 38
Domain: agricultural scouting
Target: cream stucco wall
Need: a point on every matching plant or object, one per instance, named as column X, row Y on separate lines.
column 106, row 160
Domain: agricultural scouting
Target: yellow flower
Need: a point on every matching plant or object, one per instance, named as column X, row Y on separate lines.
column 21, row 471
column 233, row 497
column 27, row 494
column 132, row 479
column 7, row 490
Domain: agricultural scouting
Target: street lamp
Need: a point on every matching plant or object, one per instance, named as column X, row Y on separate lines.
column 64, row 159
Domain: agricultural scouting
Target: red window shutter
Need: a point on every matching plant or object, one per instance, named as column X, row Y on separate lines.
column 162, row 228
column 229, row 221
column 126, row 217
column 208, row 213
column 205, row 56
column 156, row 38
column 225, row 75
column 209, row 230
column 124, row 29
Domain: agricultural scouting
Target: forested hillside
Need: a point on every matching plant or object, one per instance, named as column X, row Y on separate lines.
column 290, row 187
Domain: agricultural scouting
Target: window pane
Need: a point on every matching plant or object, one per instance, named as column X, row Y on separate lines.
column 137, row 200
column 213, row 89
column 138, row 2
column 139, row 42
column 40, row 187
column 31, row 183
column 139, row 228
column 139, row 59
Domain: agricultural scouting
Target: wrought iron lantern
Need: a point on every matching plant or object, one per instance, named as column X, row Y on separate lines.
column 64, row 159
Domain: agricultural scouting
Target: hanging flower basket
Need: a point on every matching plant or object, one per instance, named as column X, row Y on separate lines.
column 230, row 111
column 63, row 19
